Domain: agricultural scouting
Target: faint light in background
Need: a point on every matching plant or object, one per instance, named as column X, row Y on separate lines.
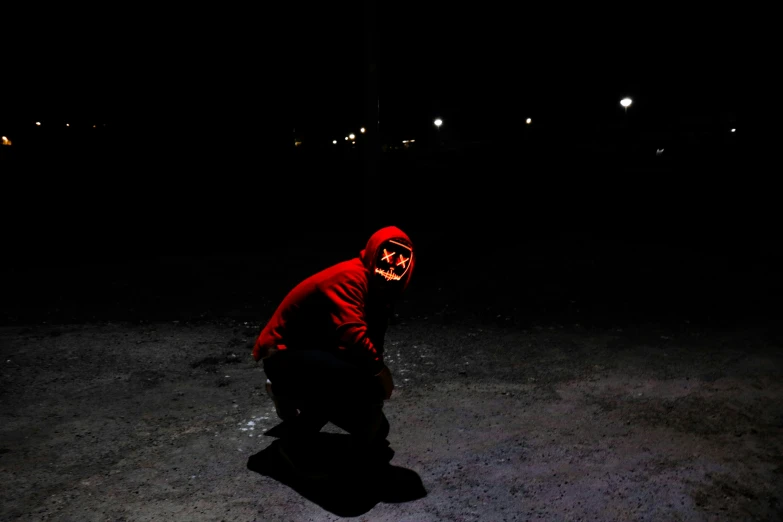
column 528, row 121
column 362, row 130
column 352, row 136
column 93, row 126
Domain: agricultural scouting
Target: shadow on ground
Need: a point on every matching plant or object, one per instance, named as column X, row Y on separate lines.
column 335, row 478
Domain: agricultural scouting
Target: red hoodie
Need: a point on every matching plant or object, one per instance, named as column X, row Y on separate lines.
column 339, row 310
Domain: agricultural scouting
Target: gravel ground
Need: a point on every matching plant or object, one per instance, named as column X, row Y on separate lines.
column 490, row 421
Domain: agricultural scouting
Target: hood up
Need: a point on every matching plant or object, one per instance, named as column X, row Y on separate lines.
column 369, row 255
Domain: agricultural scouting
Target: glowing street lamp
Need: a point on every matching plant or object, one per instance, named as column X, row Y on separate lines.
column 352, row 136
column 528, row 121
column 334, row 142
column 625, row 102
column 362, row 130
column 438, row 122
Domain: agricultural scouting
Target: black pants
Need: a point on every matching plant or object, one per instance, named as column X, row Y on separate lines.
column 328, row 389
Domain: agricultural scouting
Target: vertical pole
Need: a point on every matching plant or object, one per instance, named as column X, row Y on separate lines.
column 371, row 148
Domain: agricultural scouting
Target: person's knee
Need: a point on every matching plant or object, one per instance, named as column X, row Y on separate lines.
column 368, row 425
column 285, row 407
column 377, row 428
column 383, row 428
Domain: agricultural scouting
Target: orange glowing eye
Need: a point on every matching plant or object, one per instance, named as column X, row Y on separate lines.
column 387, row 256
column 403, row 261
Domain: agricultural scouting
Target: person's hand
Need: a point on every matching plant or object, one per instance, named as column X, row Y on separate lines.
column 384, row 377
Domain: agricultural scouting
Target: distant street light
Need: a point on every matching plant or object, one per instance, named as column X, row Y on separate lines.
column 438, row 122
column 528, row 121
column 334, row 142
column 362, row 130
column 625, row 102
column 733, row 130
column 352, row 136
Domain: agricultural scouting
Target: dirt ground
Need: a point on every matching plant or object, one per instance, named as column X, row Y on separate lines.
column 495, row 416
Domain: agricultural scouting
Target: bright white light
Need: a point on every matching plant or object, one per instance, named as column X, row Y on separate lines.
column 733, row 130
column 438, row 122
column 334, row 142
column 353, row 143
column 67, row 124
column 352, row 136
column 346, row 138
column 38, row 123
column 528, row 121
column 625, row 102
column 362, row 130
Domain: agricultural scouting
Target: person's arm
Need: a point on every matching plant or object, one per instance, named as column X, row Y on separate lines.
column 347, row 312
column 355, row 341
column 378, row 321
column 269, row 339
column 385, row 379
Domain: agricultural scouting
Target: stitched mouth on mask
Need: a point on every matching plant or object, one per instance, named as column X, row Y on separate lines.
column 389, row 275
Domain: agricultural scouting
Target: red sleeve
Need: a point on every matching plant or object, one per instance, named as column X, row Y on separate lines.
column 347, row 300
column 270, row 339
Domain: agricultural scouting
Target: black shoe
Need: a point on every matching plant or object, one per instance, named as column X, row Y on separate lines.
column 385, row 455
column 373, row 459
column 301, row 426
column 380, row 458
column 298, row 462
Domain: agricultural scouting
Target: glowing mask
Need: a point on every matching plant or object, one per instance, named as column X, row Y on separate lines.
column 393, row 261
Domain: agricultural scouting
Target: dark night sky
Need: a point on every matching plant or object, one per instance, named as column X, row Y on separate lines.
column 256, row 69
column 247, row 76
